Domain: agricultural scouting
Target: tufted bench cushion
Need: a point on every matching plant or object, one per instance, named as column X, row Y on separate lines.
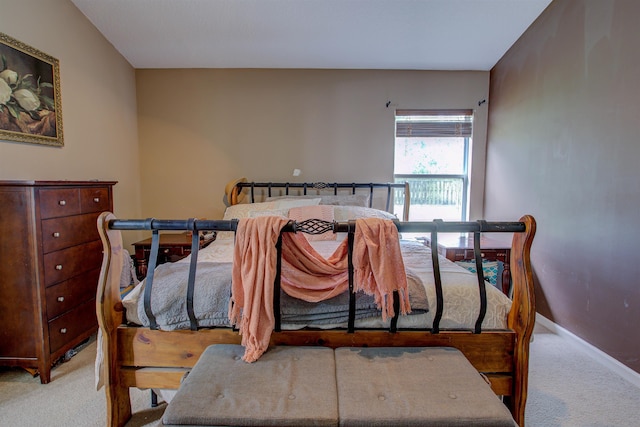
column 317, row 386
column 288, row 386
column 414, row 386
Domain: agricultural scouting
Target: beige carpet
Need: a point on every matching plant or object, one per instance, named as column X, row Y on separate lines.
column 567, row 389
column 70, row 399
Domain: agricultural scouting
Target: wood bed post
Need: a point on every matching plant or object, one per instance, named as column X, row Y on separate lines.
column 522, row 315
column 109, row 311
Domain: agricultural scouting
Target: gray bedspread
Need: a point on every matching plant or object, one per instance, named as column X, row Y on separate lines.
column 212, row 292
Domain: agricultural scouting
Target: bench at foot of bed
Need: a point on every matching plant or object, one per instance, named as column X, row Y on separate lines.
column 348, row 386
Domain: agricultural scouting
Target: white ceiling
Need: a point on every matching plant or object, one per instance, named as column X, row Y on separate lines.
column 339, row 34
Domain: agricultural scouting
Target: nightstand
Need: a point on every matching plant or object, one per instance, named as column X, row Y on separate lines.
column 173, row 247
column 459, row 248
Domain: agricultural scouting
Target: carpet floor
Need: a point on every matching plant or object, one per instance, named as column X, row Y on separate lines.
column 567, row 388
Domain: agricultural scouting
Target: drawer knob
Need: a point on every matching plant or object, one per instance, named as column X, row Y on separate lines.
column 62, row 202
column 56, row 234
column 59, row 267
column 96, row 199
column 60, row 299
column 166, row 251
column 63, row 330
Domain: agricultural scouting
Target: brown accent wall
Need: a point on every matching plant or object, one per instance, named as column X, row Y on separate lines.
column 564, row 146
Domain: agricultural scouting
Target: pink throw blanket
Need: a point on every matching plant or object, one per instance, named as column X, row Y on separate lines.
column 378, row 267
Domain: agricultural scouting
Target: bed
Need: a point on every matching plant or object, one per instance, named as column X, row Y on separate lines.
column 141, row 347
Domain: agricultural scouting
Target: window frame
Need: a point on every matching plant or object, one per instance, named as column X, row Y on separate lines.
column 447, row 132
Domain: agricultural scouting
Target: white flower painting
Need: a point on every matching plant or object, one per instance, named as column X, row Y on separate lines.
column 29, row 95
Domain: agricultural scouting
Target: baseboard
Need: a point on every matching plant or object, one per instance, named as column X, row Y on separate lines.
column 598, row 355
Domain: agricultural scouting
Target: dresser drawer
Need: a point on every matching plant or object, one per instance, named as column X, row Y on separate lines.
column 65, row 328
column 489, row 254
column 94, row 199
column 60, row 233
column 55, row 202
column 169, row 254
column 454, row 254
column 66, row 263
column 70, row 293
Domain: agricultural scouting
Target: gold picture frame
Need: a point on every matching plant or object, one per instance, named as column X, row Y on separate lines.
column 30, row 101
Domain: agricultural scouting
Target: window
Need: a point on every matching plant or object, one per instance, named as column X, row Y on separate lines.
column 432, row 154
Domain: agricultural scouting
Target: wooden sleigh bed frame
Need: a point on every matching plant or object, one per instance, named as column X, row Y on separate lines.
column 135, row 356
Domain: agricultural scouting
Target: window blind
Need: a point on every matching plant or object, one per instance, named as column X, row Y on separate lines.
column 434, row 123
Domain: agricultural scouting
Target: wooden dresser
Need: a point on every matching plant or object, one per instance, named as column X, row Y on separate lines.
column 50, row 259
column 172, row 247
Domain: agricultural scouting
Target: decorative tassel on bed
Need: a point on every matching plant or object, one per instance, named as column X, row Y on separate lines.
column 377, row 260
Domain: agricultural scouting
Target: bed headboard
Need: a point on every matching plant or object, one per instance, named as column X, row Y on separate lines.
column 381, row 195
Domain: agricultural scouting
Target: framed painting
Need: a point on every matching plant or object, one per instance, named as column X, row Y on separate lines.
column 30, row 101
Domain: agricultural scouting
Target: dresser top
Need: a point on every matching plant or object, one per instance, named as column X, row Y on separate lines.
column 55, row 183
column 456, row 241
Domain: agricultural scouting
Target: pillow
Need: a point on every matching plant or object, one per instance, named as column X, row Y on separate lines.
column 345, row 213
column 492, row 270
column 346, row 200
column 290, row 196
column 274, row 212
column 292, row 203
column 333, row 199
column 246, row 210
column 243, row 210
column 322, row 212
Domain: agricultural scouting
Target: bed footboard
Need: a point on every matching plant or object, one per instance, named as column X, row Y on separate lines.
column 110, row 313
column 147, row 358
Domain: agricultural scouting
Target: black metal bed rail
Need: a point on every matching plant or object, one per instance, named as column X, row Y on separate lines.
column 316, row 226
column 343, row 226
column 322, row 186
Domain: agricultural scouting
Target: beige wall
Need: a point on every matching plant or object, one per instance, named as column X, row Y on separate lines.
column 564, row 146
column 98, row 103
column 200, row 129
